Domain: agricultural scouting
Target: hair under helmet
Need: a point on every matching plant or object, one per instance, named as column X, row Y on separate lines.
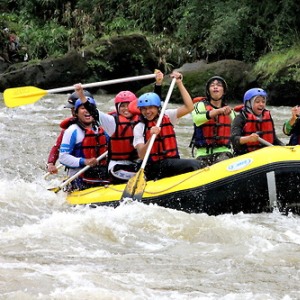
column 210, row 80
column 79, row 103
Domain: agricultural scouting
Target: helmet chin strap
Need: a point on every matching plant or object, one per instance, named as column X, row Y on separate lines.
column 118, row 107
column 85, row 125
column 220, row 99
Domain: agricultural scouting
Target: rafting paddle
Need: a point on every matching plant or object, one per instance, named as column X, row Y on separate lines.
column 58, row 188
column 48, row 173
column 136, row 185
column 29, row 94
column 264, row 142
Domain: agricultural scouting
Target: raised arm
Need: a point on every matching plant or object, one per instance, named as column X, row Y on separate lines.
column 188, row 104
column 287, row 126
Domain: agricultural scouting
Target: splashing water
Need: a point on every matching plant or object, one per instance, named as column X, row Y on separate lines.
column 50, row 250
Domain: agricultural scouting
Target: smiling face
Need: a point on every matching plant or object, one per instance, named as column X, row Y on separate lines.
column 149, row 112
column 123, row 110
column 216, row 90
column 258, row 105
column 83, row 116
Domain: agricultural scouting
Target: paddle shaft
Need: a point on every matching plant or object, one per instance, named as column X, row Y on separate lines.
column 48, row 173
column 80, row 172
column 136, row 185
column 264, row 142
column 102, row 83
column 162, row 112
column 28, row 94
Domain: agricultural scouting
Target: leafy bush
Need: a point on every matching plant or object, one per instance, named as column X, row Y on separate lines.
column 179, row 31
column 41, row 42
column 280, row 66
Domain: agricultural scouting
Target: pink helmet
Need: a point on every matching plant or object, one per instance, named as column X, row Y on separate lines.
column 125, row 96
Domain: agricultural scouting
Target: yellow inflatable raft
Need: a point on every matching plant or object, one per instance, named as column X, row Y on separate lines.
column 253, row 183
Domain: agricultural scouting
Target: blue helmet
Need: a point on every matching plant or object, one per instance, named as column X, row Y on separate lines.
column 79, row 103
column 149, row 99
column 253, row 93
column 74, row 96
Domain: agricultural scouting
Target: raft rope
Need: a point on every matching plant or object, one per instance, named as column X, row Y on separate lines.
column 195, row 173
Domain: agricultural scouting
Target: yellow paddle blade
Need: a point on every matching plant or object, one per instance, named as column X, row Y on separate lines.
column 22, row 95
column 140, row 187
column 55, row 189
column 135, row 186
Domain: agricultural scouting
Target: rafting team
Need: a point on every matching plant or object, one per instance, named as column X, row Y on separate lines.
column 121, row 137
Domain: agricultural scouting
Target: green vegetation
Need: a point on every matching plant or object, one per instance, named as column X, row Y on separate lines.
column 285, row 63
column 179, row 31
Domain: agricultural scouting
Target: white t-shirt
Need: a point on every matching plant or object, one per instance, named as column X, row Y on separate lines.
column 108, row 123
column 140, row 127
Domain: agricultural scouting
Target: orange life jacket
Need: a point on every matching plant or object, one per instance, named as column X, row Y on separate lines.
column 198, row 99
column 214, row 133
column 165, row 144
column 238, row 108
column 64, row 124
column 120, row 146
column 264, row 127
column 132, row 107
column 94, row 144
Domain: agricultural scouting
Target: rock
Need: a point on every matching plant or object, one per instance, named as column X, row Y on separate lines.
column 3, row 65
column 236, row 73
column 194, row 66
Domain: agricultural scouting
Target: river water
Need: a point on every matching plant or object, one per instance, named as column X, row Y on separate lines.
column 49, row 250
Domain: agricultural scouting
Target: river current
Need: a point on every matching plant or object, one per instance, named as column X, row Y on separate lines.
column 50, row 250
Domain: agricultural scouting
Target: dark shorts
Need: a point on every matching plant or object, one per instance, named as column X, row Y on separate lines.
column 95, row 176
column 170, row 167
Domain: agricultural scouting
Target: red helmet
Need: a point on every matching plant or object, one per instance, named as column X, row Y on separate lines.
column 125, row 96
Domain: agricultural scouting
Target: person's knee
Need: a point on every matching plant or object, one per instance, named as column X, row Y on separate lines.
column 121, row 173
column 196, row 164
column 223, row 156
column 192, row 164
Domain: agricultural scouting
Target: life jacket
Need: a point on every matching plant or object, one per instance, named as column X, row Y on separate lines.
column 132, row 107
column 120, row 146
column 214, row 133
column 198, row 99
column 165, row 144
column 238, row 108
column 295, row 134
column 264, row 127
column 94, row 144
column 64, row 124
